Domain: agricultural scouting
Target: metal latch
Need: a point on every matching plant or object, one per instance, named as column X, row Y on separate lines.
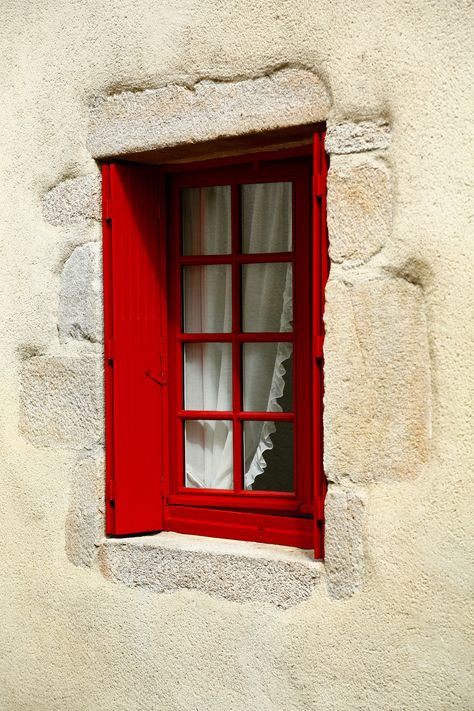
column 155, row 377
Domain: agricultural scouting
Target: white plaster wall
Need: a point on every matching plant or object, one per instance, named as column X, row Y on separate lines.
column 70, row 639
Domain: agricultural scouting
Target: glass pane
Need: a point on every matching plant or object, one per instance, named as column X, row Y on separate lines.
column 208, row 376
column 266, row 217
column 206, row 223
column 208, row 454
column 268, row 377
column 268, row 456
column 207, row 299
column 267, row 290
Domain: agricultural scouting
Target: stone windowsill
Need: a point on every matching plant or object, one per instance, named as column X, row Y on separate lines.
column 239, row 571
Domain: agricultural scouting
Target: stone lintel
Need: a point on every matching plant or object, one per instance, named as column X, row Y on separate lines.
column 174, row 115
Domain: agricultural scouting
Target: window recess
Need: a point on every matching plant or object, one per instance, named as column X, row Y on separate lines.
column 213, row 280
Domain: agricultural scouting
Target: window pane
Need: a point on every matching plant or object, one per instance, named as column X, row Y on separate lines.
column 266, row 217
column 267, row 290
column 208, row 376
column 206, row 223
column 268, row 456
column 268, row 377
column 208, row 454
column 207, row 299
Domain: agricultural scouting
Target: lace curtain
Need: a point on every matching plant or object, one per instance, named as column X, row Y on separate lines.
column 266, row 306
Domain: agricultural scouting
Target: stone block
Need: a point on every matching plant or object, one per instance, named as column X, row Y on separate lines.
column 178, row 115
column 80, row 300
column 350, row 137
column 85, row 522
column 377, row 413
column 343, row 544
column 359, row 211
column 61, row 401
column 231, row 576
column 73, row 201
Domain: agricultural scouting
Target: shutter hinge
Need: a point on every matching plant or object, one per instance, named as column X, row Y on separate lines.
column 109, row 350
column 319, row 185
column 107, row 209
column 111, row 490
column 319, row 509
column 318, row 346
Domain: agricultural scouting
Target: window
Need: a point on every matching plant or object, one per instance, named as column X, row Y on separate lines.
column 213, row 285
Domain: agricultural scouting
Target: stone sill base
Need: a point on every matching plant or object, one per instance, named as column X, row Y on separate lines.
column 219, row 546
column 235, row 570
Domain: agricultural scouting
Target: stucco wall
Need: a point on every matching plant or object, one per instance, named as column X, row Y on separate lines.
column 72, row 639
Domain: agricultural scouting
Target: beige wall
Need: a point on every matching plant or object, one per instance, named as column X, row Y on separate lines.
column 70, row 638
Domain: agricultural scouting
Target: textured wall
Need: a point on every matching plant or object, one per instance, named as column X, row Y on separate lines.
column 71, row 638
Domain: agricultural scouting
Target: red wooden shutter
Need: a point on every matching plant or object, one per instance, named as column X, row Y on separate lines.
column 320, row 276
column 135, row 314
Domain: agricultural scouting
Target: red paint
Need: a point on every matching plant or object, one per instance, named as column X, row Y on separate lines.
column 269, row 504
column 144, row 413
column 250, row 159
column 320, row 277
column 260, row 527
column 133, row 324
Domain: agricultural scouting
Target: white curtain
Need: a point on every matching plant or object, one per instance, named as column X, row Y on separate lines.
column 266, row 306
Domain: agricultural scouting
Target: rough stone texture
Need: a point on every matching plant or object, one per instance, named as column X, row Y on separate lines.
column 343, row 542
column 350, row 137
column 61, row 401
column 239, row 578
column 174, row 114
column 74, row 201
column 80, row 299
column 85, row 523
column 359, row 210
column 377, row 415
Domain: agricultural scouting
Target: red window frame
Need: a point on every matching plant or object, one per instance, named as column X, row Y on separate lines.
column 294, row 519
